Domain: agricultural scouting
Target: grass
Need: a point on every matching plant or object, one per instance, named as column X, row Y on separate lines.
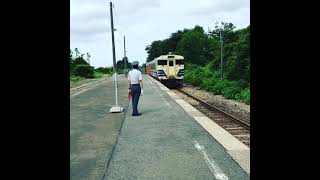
column 74, row 79
column 101, row 75
column 77, row 80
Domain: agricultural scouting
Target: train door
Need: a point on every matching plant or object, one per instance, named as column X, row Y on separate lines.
column 171, row 69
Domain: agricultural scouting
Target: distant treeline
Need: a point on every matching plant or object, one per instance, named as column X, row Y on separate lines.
column 80, row 67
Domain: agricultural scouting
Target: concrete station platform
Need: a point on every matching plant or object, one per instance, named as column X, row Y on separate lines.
column 172, row 140
column 93, row 129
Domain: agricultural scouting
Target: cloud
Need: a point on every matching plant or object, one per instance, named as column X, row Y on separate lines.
column 225, row 6
column 87, row 33
column 89, row 24
column 142, row 22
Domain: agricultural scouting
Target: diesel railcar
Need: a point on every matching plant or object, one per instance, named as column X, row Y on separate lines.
column 168, row 69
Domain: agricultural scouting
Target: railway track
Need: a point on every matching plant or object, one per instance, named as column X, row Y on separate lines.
column 235, row 126
column 86, row 86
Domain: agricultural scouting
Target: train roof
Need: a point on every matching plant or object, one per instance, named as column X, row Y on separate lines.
column 165, row 57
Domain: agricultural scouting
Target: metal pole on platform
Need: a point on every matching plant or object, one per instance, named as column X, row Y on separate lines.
column 221, row 59
column 115, row 108
column 125, row 57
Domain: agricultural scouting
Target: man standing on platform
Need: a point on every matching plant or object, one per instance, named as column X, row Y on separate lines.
column 135, row 87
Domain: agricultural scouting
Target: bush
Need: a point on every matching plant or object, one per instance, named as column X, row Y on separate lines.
column 75, row 78
column 191, row 76
column 104, row 70
column 100, row 75
column 230, row 90
column 210, row 81
column 242, row 83
column 207, row 84
column 207, row 73
column 84, row 70
column 244, row 96
column 218, row 86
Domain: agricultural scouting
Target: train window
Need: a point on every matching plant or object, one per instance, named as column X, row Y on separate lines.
column 170, row 56
column 179, row 61
column 170, row 63
column 162, row 62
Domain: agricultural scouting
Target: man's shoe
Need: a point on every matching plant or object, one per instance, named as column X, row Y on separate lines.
column 136, row 114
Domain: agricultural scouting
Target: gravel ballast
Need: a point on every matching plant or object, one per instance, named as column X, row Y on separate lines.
column 232, row 107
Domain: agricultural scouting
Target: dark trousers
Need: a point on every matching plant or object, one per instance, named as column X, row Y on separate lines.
column 135, row 93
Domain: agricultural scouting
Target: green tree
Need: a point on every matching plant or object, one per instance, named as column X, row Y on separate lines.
column 79, row 66
column 71, row 62
column 88, row 58
column 194, row 46
column 158, row 48
column 227, row 32
column 84, row 70
column 77, row 52
column 237, row 56
column 155, row 50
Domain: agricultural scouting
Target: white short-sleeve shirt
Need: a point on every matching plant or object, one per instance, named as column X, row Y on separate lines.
column 134, row 76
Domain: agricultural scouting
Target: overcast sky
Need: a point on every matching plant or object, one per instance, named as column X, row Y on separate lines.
column 142, row 22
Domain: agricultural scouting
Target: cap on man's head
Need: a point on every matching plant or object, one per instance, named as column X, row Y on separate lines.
column 135, row 63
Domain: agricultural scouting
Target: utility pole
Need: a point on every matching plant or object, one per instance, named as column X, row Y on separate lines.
column 125, row 57
column 112, row 33
column 115, row 108
column 221, row 42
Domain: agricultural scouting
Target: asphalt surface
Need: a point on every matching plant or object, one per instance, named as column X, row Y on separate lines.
column 166, row 143
column 93, row 130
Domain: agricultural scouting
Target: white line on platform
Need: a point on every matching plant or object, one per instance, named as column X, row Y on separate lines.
column 211, row 163
column 77, row 93
column 239, row 152
column 86, row 84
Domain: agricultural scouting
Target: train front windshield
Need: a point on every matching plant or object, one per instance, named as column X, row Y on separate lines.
column 162, row 62
column 178, row 62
